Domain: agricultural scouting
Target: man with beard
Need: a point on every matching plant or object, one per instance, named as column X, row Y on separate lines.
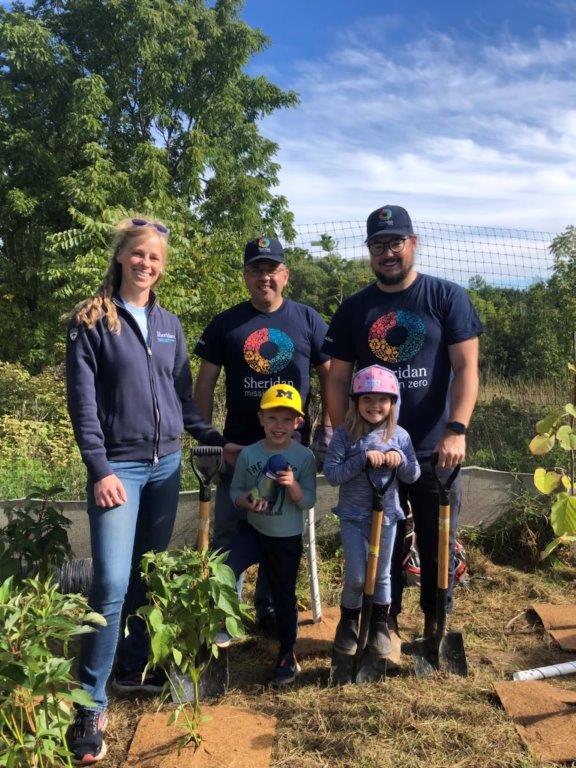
column 426, row 330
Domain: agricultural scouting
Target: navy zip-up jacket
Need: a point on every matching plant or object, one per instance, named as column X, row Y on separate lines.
column 129, row 400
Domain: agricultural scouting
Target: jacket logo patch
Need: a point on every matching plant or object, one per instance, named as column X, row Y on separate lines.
column 165, row 338
column 73, row 334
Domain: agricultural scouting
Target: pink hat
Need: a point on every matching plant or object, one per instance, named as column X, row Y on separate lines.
column 375, row 380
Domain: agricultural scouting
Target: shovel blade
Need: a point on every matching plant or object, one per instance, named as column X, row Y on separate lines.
column 341, row 669
column 425, row 654
column 451, row 654
column 370, row 668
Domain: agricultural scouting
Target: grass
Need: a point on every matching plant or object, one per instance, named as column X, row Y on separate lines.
column 414, row 723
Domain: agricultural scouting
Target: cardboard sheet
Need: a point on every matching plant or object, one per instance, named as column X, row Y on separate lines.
column 560, row 622
column 545, row 717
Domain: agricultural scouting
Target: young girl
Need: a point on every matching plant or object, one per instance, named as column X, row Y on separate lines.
column 368, row 439
column 129, row 398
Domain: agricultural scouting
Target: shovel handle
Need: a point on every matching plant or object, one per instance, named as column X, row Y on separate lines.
column 376, row 529
column 444, row 488
column 208, row 471
column 203, row 527
column 373, row 556
column 205, row 474
column 443, row 542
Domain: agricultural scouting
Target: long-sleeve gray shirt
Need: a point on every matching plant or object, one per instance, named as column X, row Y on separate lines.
column 345, row 464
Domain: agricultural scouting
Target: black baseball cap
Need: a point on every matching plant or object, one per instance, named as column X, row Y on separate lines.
column 389, row 220
column 264, row 248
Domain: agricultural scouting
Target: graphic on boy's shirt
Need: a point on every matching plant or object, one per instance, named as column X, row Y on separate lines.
column 397, row 337
column 268, row 350
column 266, row 487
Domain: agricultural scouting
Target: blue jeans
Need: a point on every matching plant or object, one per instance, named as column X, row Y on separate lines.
column 355, row 534
column 119, row 536
column 226, row 519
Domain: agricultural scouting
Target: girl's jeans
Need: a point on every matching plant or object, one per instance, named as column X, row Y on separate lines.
column 355, row 534
column 119, row 537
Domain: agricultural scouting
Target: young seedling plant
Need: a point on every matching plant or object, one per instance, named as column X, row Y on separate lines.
column 192, row 596
column 559, row 429
column 36, row 686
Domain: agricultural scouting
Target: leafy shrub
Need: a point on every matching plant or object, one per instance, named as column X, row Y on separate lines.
column 36, row 685
column 192, row 596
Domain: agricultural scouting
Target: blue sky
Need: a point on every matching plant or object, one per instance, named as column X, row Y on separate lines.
column 464, row 112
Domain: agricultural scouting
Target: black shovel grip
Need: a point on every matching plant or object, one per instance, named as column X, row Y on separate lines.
column 444, row 488
column 207, row 471
column 378, row 493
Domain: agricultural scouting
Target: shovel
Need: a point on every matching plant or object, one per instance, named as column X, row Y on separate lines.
column 362, row 667
column 206, row 462
column 445, row 650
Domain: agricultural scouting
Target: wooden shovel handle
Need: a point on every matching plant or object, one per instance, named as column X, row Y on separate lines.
column 203, row 527
column 443, row 545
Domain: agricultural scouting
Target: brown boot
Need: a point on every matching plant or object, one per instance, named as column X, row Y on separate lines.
column 395, row 654
column 346, row 637
column 379, row 640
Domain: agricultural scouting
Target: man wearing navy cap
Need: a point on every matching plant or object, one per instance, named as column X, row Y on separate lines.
column 264, row 341
column 426, row 330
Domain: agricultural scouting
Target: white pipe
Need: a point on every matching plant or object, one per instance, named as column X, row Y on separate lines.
column 310, row 547
column 554, row 670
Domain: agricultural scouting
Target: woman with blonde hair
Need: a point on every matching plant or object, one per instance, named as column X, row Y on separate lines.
column 129, row 398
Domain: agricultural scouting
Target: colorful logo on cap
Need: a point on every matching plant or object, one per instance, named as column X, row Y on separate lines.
column 268, row 350
column 385, row 214
column 397, row 336
column 263, row 242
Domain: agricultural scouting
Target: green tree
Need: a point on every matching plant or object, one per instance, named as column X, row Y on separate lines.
column 116, row 106
column 324, row 281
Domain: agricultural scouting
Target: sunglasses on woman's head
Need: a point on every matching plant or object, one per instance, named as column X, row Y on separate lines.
column 158, row 227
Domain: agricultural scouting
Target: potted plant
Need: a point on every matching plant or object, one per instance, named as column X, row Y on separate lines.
column 192, row 596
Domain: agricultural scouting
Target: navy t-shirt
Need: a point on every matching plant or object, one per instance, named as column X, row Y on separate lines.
column 408, row 332
column 258, row 349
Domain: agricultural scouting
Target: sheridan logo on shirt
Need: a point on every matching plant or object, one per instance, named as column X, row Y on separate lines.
column 163, row 337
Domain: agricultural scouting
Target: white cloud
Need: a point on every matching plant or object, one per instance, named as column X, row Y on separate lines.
column 480, row 133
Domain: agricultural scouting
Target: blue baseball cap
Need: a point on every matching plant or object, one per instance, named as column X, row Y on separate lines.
column 264, row 248
column 389, row 220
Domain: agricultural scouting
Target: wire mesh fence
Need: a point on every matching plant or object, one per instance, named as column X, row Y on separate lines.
column 510, row 258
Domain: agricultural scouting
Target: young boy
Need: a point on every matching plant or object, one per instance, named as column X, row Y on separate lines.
column 274, row 481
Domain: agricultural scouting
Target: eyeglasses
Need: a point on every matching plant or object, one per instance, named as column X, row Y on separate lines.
column 263, row 271
column 378, row 248
column 158, row 227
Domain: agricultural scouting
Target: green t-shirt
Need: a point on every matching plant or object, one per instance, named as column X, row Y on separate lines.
column 282, row 517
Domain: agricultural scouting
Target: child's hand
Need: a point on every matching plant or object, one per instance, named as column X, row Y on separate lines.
column 392, row 459
column 285, row 477
column 376, row 458
column 247, row 501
